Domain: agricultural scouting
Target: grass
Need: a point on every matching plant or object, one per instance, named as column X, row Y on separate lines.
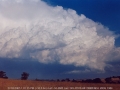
column 8, row 84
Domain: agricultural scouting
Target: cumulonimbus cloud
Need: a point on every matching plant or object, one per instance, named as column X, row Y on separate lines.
column 33, row 29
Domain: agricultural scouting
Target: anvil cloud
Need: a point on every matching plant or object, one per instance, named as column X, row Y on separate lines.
column 33, row 29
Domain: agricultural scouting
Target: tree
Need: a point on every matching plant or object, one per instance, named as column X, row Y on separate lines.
column 67, row 79
column 58, row 80
column 89, row 81
column 108, row 80
column 97, row 80
column 3, row 74
column 24, row 76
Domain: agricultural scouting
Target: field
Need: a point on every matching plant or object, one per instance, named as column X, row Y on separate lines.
column 8, row 84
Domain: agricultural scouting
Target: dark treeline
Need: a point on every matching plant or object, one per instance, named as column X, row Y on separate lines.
column 113, row 79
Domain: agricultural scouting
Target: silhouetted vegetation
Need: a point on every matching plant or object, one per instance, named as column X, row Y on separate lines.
column 58, row 80
column 67, row 79
column 108, row 80
column 3, row 75
column 73, row 80
column 24, row 76
column 88, row 81
column 97, row 80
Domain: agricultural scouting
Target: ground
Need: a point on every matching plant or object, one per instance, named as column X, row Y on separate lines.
column 9, row 84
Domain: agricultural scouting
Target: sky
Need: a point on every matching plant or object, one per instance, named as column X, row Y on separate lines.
column 56, row 39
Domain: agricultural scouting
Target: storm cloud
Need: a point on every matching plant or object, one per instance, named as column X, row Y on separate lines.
column 33, row 29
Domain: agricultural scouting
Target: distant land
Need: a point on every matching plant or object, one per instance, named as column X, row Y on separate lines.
column 110, row 83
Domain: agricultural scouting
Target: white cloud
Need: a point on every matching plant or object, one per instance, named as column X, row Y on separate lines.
column 31, row 28
column 78, row 71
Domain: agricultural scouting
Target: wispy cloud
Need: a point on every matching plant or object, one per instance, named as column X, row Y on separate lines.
column 78, row 71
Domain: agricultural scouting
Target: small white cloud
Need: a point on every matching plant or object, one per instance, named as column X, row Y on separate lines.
column 78, row 71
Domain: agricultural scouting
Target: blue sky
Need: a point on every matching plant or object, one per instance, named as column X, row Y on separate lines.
column 29, row 59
